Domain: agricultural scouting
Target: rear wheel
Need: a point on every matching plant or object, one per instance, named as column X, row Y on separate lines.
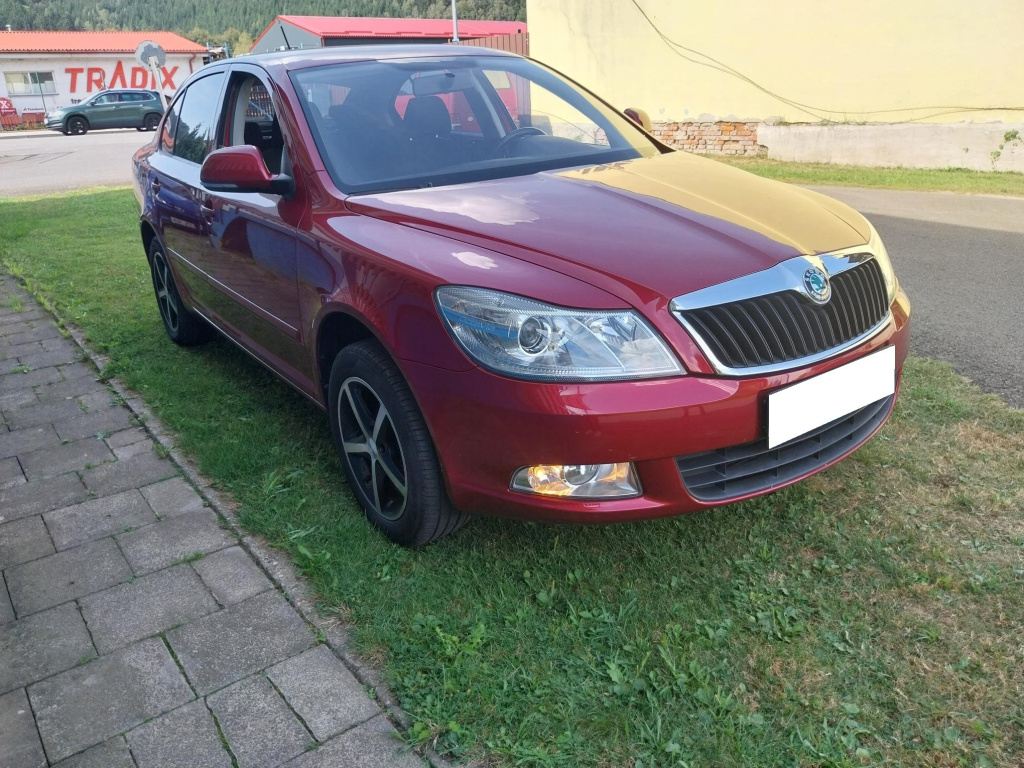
column 387, row 452
column 150, row 122
column 77, row 126
column 183, row 327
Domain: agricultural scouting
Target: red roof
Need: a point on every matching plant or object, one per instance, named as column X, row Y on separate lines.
column 359, row 26
column 93, row 42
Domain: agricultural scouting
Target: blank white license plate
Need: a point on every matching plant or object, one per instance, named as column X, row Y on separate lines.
column 802, row 407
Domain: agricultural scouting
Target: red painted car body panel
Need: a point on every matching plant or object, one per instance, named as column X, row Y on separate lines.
column 271, row 272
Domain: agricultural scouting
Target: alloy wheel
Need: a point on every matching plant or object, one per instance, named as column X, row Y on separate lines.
column 164, row 298
column 76, row 126
column 372, row 448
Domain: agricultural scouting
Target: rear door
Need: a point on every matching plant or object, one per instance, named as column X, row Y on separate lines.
column 133, row 109
column 184, row 219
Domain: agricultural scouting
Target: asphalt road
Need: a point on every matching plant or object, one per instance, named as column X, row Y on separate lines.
column 961, row 260
column 960, row 257
column 39, row 162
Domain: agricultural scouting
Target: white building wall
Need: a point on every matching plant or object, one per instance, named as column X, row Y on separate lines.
column 78, row 76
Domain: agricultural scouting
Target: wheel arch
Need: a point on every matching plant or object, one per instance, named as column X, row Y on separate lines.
column 336, row 330
column 149, row 234
column 69, row 118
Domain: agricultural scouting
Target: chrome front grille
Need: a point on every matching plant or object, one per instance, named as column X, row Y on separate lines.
column 767, row 322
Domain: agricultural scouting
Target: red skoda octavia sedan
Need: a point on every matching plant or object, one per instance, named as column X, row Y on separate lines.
column 508, row 296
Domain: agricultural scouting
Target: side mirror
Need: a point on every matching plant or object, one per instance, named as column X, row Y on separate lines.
column 242, row 169
column 639, row 117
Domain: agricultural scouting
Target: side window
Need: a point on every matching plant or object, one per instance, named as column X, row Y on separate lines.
column 252, row 120
column 170, row 127
column 198, row 118
column 133, row 97
column 107, row 98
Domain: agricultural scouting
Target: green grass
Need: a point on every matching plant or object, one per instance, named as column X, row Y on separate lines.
column 920, row 179
column 872, row 615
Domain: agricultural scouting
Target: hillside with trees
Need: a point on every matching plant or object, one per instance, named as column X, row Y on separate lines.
column 236, row 22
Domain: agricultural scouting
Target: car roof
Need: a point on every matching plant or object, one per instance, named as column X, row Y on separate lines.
column 295, row 59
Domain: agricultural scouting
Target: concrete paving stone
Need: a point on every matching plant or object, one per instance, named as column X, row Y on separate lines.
column 44, row 359
column 32, row 498
column 162, row 544
column 14, row 381
column 63, row 390
column 126, row 437
column 24, row 540
column 374, row 744
column 19, row 398
column 20, row 441
column 323, row 692
column 129, row 451
column 260, row 728
column 6, row 609
column 128, row 612
column 232, row 575
column 77, row 370
column 44, row 329
column 226, row 646
column 42, row 645
column 11, row 353
column 183, row 738
column 173, row 497
column 44, row 413
column 81, row 454
column 19, row 741
column 66, row 576
column 109, row 754
column 97, row 401
column 97, row 518
column 95, row 702
column 10, row 472
column 92, row 423
column 19, row 322
column 131, row 473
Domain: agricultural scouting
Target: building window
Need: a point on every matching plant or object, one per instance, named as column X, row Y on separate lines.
column 26, row 83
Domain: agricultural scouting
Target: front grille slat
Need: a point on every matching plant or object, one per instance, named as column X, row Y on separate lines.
column 787, row 326
column 729, row 473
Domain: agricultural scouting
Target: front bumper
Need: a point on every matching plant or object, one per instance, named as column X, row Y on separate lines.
column 55, row 124
column 485, row 427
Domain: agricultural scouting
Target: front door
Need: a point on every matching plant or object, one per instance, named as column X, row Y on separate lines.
column 253, row 238
column 103, row 113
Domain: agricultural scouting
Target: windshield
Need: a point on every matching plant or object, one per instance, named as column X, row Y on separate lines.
column 405, row 124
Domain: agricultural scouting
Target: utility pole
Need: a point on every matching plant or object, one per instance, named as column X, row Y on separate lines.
column 455, row 23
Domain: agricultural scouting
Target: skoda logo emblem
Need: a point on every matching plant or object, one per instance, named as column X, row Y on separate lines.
column 817, row 285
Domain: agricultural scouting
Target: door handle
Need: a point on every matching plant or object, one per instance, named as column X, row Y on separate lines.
column 156, row 186
column 206, row 210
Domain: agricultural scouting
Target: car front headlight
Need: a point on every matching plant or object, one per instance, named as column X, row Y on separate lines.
column 876, row 247
column 527, row 339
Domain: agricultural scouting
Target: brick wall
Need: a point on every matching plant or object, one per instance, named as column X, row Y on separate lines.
column 719, row 138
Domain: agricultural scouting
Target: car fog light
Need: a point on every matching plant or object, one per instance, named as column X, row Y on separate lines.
column 594, row 481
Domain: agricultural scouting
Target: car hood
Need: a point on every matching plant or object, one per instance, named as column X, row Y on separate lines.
column 645, row 229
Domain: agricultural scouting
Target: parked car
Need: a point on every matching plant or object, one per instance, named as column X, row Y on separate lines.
column 131, row 108
column 532, row 308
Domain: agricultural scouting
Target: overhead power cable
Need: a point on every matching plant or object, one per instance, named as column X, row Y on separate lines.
column 713, row 63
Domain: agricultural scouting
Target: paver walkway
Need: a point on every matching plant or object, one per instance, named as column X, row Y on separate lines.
column 134, row 630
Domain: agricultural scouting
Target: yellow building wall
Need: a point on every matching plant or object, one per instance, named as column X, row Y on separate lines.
column 838, row 60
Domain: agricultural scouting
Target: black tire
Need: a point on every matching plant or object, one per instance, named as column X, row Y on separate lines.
column 150, row 122
column 183, row 327
column 77, row 126
column 364, row 377
column 140, row 130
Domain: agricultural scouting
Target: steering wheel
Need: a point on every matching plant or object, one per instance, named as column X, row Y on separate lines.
column 501, row 148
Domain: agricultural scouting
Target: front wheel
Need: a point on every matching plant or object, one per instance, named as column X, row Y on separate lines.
column 183, row 327
column 389, row 458
column 77, row 126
